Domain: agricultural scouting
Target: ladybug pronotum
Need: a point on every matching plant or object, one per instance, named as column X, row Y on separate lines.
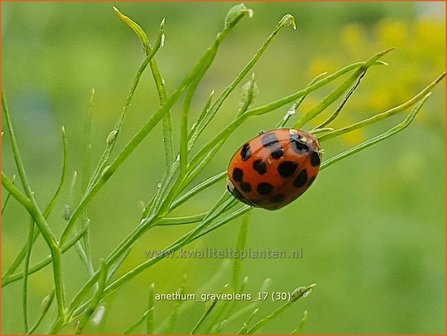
column 274, row 168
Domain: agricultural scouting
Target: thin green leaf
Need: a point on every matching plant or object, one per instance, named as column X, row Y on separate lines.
column 292, row 110
column 182, row 220
column 200, row 187
column 25, row 275
column 300, row 325
column 35, row 212
column 175, row 310
column 336, row 93
column 21, row 255
column 88, row 142
column 249, row 93
column 208, row 309
column 343, row 103
column 236, row 13
column 8, row 197
column 150, row 316
column 113, row 135
column 224, row 220
column 250, row 318
column 134, row 326
column 46, row 304
column 16, row 193
column 240, row 246
column 95, row 300
column 116, row 265
column 135, row 27
column 193, row 135
column 207, row 152
column 44, row 262
column 383, row 115
column 296, row 295
column 227, row 309
column 399, row 127
column 251, row 306
column 202, row 123
column 329, row 99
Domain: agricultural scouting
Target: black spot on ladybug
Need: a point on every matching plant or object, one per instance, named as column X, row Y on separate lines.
column 277, row 153
column 287, row 168
column 264, row 188
column 301, row 179
column 278, row 198
column 246, row 187
column 315, row 159
column 298, row 145
column 269, row 139
column 237, row 174
column 311, row 180
column 260, row 167
column 245, row 152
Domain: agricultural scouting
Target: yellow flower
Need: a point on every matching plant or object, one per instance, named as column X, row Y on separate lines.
column 322, row 64
column 391, row 33
column 380, row 99
column 353, row 37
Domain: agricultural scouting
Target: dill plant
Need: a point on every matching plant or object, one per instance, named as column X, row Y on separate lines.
column 182, row 166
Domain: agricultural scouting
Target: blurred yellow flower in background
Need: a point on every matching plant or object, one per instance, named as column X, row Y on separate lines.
column 419, row 58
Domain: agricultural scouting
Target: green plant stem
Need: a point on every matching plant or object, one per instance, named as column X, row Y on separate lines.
column 292, row 110
column 203, row 63
column 334, row 115
column 179, row 184
column 95, row 300
column 38, row 217
column 250, row 318
column 113, row 136
column 114, row 256
column 25, row 275
column 150, row 316
column 287, row 20
column 252, row 306
column 211, row 147
column 330, row 98
column 45, row 309
column 300, row 325
column 44, row 262
column 383, row 115
column 175, row 310
column 202, row 319
column 399, row 127
column 299, row 293
column 168, row 135
column 85, row 249
column 21, row 255
column 8, row 197
column 141, row 134
column 16, row 193
column 182, row 220
column 200, row 187
column 220, row 206
column 339, row 90
column 131, row 329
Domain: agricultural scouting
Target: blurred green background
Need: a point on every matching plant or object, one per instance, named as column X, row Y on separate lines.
column 371, row 227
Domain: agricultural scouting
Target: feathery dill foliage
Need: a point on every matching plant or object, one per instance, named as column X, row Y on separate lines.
column 181, row 168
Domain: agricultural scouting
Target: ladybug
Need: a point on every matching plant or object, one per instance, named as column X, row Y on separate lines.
column 274, row 168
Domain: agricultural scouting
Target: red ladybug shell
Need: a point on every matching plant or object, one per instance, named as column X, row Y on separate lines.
column 275, row 168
